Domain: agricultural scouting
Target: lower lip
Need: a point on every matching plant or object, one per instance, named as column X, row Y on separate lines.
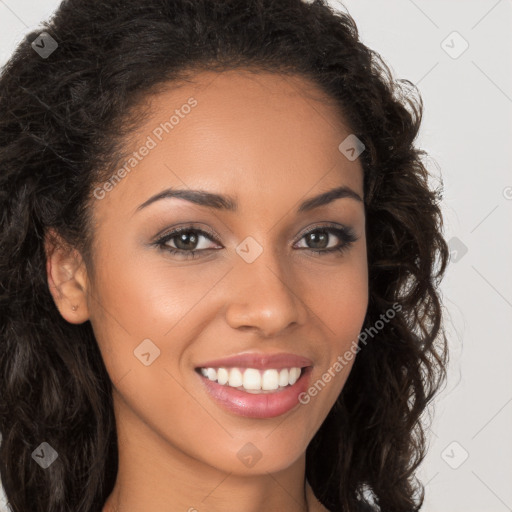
column 263, row 405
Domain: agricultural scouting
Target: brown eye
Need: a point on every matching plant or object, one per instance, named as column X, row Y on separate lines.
column 319, row 239
column 186, row 241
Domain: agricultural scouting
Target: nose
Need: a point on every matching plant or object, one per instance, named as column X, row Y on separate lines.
column 265, row 297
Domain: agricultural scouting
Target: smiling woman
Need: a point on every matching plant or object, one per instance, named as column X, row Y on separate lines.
column 219, row 267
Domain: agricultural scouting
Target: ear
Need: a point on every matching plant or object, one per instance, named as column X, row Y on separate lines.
column 67, row 278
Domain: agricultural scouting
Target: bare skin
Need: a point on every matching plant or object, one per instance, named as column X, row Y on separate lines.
column 261, row 140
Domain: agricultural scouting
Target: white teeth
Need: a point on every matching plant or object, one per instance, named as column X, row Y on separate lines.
column 222, row 376
column 294, row 375
column 235, row 378
column 211, row 373
column 270, row 380
column 253, row 380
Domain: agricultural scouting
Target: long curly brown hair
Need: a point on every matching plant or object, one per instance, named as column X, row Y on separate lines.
column 63, row 119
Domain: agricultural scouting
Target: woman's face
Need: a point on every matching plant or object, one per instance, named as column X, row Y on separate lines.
column 255, row 293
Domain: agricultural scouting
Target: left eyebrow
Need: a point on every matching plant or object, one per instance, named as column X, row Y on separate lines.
column 228, row 203
column 329, row 197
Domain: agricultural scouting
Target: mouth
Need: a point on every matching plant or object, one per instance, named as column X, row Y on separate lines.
column 256, row 386
column 253, row 380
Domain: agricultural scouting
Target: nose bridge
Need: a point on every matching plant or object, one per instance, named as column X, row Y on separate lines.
column 263, row 296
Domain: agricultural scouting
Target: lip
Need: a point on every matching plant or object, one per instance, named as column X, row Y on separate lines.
column 252, row 405
column 259, row 361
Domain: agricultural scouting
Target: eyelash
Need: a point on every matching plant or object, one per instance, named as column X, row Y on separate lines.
column 345, row 234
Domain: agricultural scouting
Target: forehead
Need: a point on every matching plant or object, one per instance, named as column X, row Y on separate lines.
column 241, row 133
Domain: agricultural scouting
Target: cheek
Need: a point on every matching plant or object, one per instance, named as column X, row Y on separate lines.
column 134, row 303
column 156, row 292
column 338, row 296
column 148, row 298
column 339, row 299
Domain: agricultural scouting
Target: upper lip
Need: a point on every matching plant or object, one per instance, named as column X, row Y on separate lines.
column 259, row 361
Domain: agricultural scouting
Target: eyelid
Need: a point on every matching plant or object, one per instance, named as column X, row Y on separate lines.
column 174, row 231
column 324, row 225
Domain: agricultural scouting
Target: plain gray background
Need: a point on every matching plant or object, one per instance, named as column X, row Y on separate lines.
column 459, row 54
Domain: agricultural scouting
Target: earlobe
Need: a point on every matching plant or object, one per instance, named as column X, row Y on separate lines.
column 67, row 279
